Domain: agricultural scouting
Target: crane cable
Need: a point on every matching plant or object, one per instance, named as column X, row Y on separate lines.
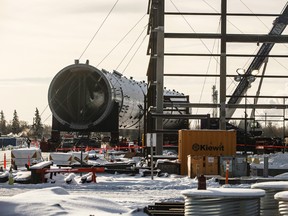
column 43, row 113
column 86, row 48
column 98, row 29
column 121, row 39
column 134, row 53
column 236, row 29
column 208, row 67
column 211, row 52
column 267, row 29
column 193, row 30
column 131, row 49
column 111, row 50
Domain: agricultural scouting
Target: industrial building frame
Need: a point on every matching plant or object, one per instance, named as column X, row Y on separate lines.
column 155, row 72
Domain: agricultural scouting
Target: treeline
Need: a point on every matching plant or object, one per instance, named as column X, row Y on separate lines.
column 271, row 130
column 16, row 126
column 39, row 130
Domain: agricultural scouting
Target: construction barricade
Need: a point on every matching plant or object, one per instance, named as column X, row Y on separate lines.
column 45, row 171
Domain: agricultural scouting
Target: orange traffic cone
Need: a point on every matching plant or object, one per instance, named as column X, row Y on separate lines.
column 28, row 161
column 5, row 163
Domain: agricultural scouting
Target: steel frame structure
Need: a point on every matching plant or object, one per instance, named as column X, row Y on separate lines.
column 156, row 50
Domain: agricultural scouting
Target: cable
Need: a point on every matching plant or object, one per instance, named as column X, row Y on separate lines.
column 204, row 46
column 134, row 54
column 98, row 29
column 254, row 14
column 93, row 39
column 233, row 26
column 218, row 12
column 43, row 113
column 267, row 29
column 47, row 118
column 208, row 67
column 90, row 43
column 194, row 31
column 44, row 110
column 131, row 47
column 121, row 40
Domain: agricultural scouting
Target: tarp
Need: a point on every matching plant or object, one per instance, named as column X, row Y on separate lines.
column 20, row 157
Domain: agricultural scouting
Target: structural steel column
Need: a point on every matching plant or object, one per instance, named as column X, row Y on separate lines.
column 155, row 72
column 159, row 74
column 222, row 123
column 159, row 87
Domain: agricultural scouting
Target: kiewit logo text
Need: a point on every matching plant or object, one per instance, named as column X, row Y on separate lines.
column 206, row 147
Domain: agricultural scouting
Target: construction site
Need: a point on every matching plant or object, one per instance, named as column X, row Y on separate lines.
column 105, row 122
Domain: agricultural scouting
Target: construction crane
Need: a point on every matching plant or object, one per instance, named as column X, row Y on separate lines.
column 279, row 26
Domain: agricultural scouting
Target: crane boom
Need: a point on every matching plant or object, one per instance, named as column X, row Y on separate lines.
column 279, row 25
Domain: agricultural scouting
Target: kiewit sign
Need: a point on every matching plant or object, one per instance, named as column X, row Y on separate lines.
column 209, row 147
column 205, row 143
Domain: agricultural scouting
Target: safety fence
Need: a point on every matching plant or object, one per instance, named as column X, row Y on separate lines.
column 101, row 150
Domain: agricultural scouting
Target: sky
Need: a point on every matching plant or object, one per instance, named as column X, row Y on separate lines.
column 40, row 37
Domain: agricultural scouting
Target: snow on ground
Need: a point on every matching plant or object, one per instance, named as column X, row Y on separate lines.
column 277, row 160
column 58, row 201
column 113, row 194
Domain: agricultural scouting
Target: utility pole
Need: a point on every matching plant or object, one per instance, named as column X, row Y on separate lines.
column 215, row 101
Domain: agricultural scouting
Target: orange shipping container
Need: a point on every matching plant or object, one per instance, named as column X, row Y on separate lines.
column 205, row 143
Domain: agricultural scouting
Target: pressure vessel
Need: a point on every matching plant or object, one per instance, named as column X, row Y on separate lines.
column 82, row 96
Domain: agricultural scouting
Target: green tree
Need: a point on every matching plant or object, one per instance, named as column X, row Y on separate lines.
column 3, row 126
column 37, row 125
column 15, row 123
column 24, row 128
